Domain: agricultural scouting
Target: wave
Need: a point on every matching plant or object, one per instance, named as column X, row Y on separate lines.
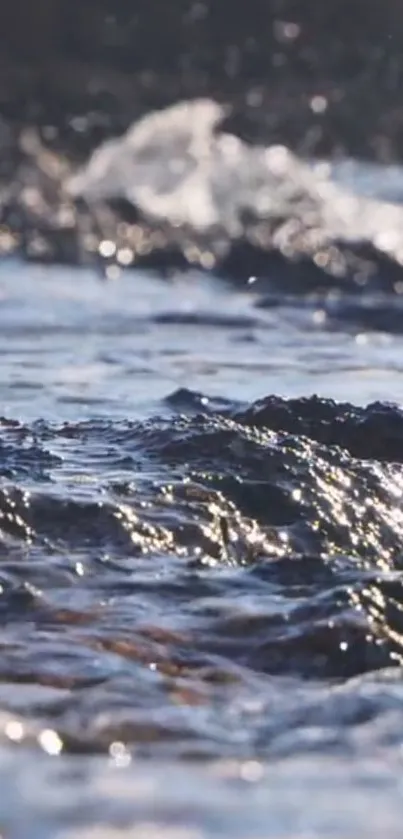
column 180, row 189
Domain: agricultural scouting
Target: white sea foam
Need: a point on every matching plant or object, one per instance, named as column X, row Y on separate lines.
column 178, row 168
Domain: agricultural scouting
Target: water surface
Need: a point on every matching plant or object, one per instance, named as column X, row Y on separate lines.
column 200, row 600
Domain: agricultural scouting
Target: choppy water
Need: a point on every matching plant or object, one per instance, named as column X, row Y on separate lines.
column 200, row 584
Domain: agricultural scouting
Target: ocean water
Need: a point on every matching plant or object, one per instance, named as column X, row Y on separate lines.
column 201, row 593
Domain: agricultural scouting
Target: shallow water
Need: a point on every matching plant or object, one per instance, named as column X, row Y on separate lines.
column 201, row 600
column 76, row 347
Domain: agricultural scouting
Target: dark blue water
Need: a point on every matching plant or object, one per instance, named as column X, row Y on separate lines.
column 200, row 601
column 74, row 347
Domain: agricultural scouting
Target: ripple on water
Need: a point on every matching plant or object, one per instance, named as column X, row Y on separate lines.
column 212, row 580
column 156, row 576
